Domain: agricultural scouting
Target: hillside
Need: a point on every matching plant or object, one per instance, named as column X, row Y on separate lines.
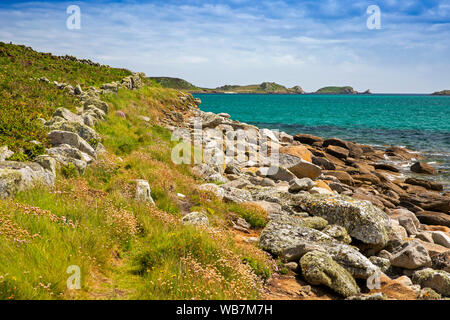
column 24, row 99
column 175, row 83
column 442, row 93
column 88, row 215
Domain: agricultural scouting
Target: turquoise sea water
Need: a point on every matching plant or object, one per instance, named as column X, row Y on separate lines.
column 418, row 122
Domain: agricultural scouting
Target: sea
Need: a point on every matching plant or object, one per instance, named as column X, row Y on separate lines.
column 418, row 122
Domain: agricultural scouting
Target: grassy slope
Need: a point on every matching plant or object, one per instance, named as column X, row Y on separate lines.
column 127, row 249
column 175, row 83
column 23, row 99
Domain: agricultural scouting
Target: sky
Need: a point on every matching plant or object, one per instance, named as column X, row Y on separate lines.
column 212, row 43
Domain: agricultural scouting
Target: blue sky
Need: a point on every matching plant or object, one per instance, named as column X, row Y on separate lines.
column 212, row 43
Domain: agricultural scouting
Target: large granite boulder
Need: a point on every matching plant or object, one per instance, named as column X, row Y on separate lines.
column 361, row 219
column 57, row 137
column 319, row 268
column 437, row 280
column 290, row 240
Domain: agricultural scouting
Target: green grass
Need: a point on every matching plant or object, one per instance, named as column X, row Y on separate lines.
column 23, row 99
column 126, row 249
column 335, row 90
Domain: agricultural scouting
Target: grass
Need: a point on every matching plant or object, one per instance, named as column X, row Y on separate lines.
column 23, row 99
column 127, row 249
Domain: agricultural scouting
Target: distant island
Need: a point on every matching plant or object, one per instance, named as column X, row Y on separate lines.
column 263, row 88
column 442, row 93
column 340, row 90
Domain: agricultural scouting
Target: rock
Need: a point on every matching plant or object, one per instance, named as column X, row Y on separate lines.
column 213, row 188
column 433, row 218
column 398, row 213
column 65, row 154
column 411, row 255
column 236, row 195
column 88, row 134
column 57, row 137
column 299, row 167
column 337, row 232
column 361, row 219
column 285, row 138
column 103, row 106
column 196, row 219
column 386, row 167
column 420, row 167
column 143, row 192
column 382, row 263
column 367, row 177
column 323, row 163
column 47, row 162
column 308, row 139
column 437, row 280
column 77, row 90
column 441, row 261
column 68, row 115
column 338, row 152
column 402, row 153
column 5, row 153
column 318, row 190
column 276, row 173
column 441, row 238
column 292, row 266
column 336, row 142
column 342, row 176
column 319, row 268
column 426, row 184
column 425, row 236
column 298, row 151
column 439, row 205
column 18, row 176
column 408, row 224
column 429, row 294
column 290, row 240
column 296, row 185
column 224, row 115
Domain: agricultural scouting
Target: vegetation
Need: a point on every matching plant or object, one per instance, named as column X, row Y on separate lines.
column 336, row 90
column 174, row 83
column 24, row 99
column 265, row 87
column 442, row 93
column 125, row 249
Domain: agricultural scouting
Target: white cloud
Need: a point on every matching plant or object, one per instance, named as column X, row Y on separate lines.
column 212, row 45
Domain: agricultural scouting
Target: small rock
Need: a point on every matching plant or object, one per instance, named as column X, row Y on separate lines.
column 411, row 255
column 420, row 167
column 304, row 184
column 196, row 218
column 429, row 294
column 5, row 153
column 441, row 238
column 143, row 192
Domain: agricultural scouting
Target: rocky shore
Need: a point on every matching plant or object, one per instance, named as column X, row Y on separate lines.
column 340, row 213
